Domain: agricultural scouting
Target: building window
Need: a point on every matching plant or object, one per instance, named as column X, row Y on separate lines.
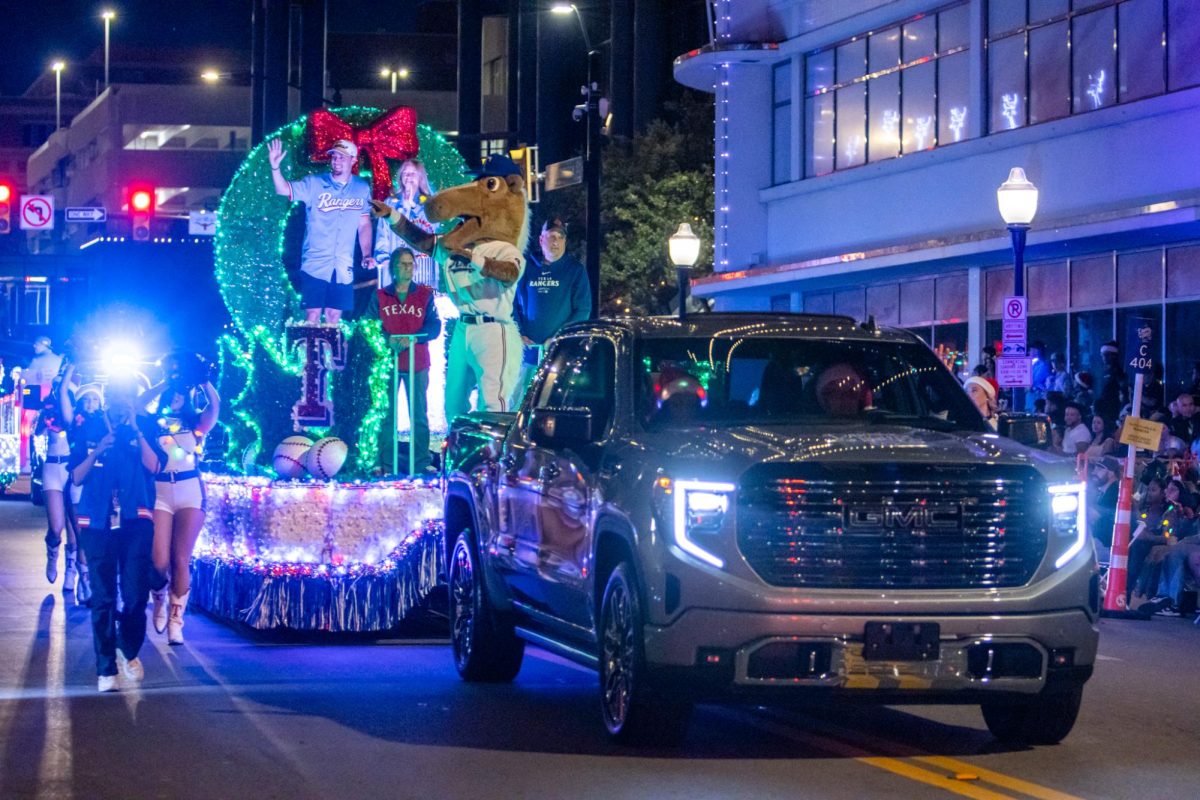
column 895, row 91
column 781, row 302
column 1047, row 60
column 781, row 123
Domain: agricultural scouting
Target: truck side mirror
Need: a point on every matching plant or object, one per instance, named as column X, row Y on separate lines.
column 561, row 427
column 1032, row 430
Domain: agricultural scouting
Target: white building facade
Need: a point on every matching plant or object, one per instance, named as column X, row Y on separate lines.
column 859, row 145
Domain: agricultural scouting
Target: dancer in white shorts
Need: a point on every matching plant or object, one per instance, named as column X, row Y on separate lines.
column 177, row 439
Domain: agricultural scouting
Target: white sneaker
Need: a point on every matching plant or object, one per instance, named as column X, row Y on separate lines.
column 107, row 683
column 131, row 668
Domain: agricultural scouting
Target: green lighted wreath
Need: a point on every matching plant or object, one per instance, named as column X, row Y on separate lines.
column 258, row 374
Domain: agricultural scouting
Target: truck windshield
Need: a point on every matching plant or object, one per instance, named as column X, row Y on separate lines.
column 773, row 380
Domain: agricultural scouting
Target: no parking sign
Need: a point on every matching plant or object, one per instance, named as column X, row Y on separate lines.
column 37, row 212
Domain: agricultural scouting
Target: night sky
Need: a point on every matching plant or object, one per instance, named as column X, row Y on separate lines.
column 39, row 31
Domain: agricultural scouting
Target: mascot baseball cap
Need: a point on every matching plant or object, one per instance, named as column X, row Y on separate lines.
column 498, row 166
column 345, row 147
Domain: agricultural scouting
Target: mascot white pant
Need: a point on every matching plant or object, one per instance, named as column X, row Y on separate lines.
column 483, row 355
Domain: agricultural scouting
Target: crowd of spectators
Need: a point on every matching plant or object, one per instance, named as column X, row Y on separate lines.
column 1086, row 417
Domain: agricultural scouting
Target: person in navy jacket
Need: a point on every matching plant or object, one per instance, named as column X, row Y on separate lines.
column 552, row 293
column 407, row 308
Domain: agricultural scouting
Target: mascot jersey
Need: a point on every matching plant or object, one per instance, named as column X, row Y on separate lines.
column 475, row 294
column 334, row 212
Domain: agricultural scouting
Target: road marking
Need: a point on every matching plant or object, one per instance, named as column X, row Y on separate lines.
column 1108, row 658
column 55, row 770
column 892, row 765
column 998, row 778
column 951, row 765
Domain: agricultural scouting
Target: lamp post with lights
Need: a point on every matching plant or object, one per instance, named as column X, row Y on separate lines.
column 1018, row 200
column 388, row 72
column 591, row 93
column 58, row 67
column 684, row 248
column 108, row 15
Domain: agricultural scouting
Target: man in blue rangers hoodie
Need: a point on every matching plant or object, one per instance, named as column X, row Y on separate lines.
column 553, row 293
column 116, row 528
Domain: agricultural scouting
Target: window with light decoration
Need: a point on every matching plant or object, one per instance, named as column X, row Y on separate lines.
column 887, row 93
column 1048, row 59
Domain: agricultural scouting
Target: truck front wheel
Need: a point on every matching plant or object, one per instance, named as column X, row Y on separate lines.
column 633, row 712
column 485, row 649
column 1044, row 719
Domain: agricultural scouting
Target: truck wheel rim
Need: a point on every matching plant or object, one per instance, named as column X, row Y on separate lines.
column 462, row 593
column 618, row 658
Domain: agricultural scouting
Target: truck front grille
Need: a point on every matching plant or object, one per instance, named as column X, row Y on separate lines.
column 870, row 533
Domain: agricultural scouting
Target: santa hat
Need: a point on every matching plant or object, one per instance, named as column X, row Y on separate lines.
column 982, row 383
column 1084, row 380
column 1109, row 347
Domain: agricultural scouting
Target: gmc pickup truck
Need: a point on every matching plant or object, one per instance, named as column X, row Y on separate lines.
column 768, row 506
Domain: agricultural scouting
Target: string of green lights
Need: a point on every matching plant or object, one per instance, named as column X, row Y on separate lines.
column 257, row 369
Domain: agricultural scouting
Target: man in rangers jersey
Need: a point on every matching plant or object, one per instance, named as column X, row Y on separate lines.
column 481, row 261
column 337, row 211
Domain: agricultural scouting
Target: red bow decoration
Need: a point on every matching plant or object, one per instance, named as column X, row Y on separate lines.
column 392, row 136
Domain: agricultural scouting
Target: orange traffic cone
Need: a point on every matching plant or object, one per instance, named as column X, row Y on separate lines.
column 1116, row 601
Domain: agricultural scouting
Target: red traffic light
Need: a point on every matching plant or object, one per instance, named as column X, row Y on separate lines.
column 141, row 212
column 6, row 193
column 141, row 200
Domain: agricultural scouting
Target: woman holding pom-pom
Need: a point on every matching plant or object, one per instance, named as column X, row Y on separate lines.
column 179, row 507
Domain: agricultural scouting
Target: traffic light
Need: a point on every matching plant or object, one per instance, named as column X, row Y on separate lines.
column 527, row 159
column 141, row 212
column 6, row 196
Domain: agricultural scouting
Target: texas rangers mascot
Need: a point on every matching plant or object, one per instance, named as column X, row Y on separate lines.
column 481, row 261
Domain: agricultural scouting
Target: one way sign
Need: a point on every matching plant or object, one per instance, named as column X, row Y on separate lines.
column 85, row 214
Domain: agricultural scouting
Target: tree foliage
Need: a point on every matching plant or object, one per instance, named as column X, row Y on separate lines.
column 660, row 178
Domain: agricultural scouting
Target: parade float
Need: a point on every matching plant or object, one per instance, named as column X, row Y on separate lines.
column 312, row 524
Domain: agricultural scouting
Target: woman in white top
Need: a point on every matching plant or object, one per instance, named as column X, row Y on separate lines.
column 178, row 441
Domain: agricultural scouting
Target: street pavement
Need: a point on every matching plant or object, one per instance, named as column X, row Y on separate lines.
column 233, row 714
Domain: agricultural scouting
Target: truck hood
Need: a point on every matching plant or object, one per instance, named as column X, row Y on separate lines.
column 724, row 453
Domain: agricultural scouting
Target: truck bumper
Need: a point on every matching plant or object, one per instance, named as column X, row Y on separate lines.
column 977, row 655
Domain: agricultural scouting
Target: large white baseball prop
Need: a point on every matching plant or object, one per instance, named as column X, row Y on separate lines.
column 289, row 456
column 326, row 457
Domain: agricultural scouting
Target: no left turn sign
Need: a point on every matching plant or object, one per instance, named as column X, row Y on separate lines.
column 37, row 212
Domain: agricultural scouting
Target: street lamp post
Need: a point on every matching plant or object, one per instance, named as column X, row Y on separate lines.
column 684, row 248
column 394, row 74
column 1018, row 199
column 57, row 66
column 108, row 15
column 592, row 166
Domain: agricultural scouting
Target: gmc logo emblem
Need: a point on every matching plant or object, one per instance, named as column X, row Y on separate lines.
column 907, row 517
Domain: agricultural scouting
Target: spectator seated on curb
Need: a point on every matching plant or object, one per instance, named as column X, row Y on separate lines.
column 1179, row 567
column 1155, row 531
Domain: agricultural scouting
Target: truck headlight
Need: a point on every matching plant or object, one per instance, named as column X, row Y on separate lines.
column 700, row 511
column 1068, row 509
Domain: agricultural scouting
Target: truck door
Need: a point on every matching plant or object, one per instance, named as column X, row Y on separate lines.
column 549, row 506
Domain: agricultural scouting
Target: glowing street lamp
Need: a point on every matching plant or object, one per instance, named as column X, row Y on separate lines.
column 1018, row 200
column 108, row 15
column 211, row 76
column 684, row 248
column 58, row 67
column 388, row 72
